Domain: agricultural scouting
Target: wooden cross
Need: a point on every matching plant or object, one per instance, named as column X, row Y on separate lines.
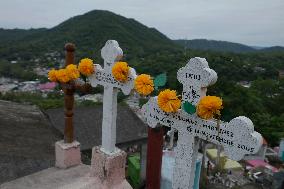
column 237, row 136
column 111, row 53
column 69, row 90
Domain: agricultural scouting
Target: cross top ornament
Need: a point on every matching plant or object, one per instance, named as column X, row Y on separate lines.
column 237, row 136
column 111, row 53
column 195, row 77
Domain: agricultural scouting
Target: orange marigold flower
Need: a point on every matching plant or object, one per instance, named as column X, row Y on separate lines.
column 144, row 84
column 72, row 71
column 62, row 76
column 86, row 66
column 168, row 101
column 120, row 71
column 52, row 75
column 209, row 106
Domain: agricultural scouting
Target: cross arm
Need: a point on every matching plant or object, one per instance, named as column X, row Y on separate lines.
column 237, row 137
column 104, row 77
column 111, row 53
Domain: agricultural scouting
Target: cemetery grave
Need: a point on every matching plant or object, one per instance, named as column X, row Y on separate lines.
column 107, row 169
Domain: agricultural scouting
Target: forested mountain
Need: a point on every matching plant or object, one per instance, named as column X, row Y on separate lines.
column 89, row 32
column 223, row 46
column 12, row 35
column 273, row 49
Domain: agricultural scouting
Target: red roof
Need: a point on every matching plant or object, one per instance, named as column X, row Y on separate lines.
column 260, row 163
column 47, row 86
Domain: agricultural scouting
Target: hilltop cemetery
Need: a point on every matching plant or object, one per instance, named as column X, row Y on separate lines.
column 102, row 101
column 139, row 133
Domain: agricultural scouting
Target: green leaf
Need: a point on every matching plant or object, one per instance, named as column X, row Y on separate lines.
column 160, row 80
column 188, row 108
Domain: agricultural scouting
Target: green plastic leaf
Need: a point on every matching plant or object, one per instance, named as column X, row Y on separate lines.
column 188, row 108
column 160, row 80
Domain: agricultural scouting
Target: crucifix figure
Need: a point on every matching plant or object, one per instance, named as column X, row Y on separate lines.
column 237, row 136
column 111, row 53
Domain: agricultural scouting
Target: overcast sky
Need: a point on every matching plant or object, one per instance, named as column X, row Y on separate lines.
column 252, row 22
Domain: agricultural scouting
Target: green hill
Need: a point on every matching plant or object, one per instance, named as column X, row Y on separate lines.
column 223, row 46
column 204, row 44
column 89, row 32
column 11, row 35
column 273, row 49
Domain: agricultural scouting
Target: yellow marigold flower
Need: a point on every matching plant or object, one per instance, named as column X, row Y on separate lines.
column 52, row 75
column 62, row 76
column 209, row 106
column 144, row 84
column 120, row 71
column 168, row 101
column 72, row 71
column 86, row 66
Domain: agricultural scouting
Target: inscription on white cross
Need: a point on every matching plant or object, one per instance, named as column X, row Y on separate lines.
column 111, row 53
column 237, row 136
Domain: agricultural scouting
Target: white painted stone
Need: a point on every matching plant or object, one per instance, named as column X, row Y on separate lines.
column 104, row 77
column 195, row 77
column 237, row 137
column 111, row 53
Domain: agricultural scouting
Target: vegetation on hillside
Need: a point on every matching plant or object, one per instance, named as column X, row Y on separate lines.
column 20, row 71
column 261, row 102
column 10, row 35
column 149, row 51
column 51, row 101
column 223, row 46
column 204, row 44
column 89, row 32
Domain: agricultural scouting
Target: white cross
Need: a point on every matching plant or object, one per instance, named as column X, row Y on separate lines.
column 111, row 53
column 237, row 137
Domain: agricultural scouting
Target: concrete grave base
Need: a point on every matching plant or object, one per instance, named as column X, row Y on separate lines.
column 76, row 177
column 67, row 154
column 109, row 170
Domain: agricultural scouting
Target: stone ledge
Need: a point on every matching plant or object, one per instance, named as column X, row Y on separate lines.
column 51, row 178
column 67, row 154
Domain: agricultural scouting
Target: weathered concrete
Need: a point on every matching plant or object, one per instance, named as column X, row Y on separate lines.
column 26, row 141
column 88, row 126
column 54, row 178
column 109, row 170
column 27, row 146
column 67, row 154
column 51, row 178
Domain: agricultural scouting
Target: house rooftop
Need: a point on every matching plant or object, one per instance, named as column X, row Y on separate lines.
column 27, row 141
column 88, row 125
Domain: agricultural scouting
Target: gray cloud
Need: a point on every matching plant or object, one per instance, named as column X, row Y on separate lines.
column 253, row 22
